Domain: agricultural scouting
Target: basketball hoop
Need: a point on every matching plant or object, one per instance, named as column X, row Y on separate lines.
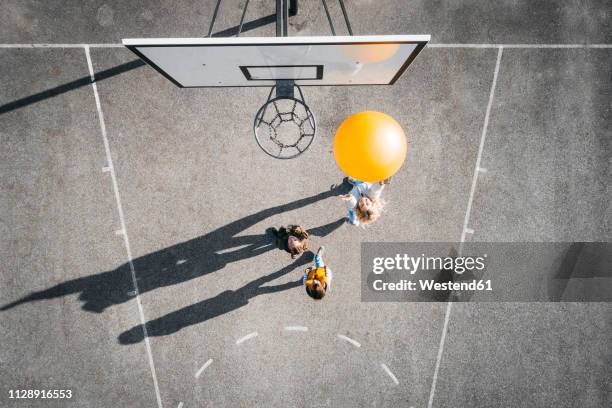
column 284, row 126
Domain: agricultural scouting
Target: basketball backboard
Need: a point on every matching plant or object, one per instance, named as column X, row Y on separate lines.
column 261, row 61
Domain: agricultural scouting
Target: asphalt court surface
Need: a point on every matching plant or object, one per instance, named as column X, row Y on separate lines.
column 59, row 222
column 548, row 150
column 471, row 21
column 196, row 191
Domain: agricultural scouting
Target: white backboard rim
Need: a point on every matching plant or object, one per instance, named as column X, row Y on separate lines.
column 339, row 39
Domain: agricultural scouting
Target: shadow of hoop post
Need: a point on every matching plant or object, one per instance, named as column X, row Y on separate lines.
column 251, row 25
column 69, row 86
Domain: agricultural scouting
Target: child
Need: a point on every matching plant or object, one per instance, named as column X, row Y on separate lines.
column 317, row 280
column 363, row 202
column 293, row 239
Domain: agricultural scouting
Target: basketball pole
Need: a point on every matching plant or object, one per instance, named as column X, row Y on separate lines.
column 282, row 15
column 284, row 87
column 284, row 10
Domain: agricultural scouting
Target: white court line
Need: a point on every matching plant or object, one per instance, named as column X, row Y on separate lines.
column 43, row 45
column 180, row 405
column 61, row 45
column 119, row 45
column 449, row 306
column 466, row 220
column 231, row 249
column 204, row 367
column 483, row 137
column 431, row 45
column 296, row 328
column 353, row 342
column 247, row 337
column 389, row 373
column 551, row 46
column 126, row 240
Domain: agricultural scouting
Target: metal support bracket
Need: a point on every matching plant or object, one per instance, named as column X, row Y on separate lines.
column 284, row 88
column 293, row 8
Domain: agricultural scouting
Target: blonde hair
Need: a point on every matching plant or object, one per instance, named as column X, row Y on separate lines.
column 368, row 217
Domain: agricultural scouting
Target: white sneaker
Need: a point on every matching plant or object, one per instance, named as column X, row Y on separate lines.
column 320, row 251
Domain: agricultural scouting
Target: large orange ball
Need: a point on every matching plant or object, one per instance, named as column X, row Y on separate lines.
column 370, row 53
column 370, row 146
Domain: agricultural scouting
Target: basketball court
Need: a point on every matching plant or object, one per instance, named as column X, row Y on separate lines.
column 131, row 200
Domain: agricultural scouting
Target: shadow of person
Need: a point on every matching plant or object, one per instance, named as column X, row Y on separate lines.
column 224, row 302
column 181, row 262
column 564, row 271
column 582, row 274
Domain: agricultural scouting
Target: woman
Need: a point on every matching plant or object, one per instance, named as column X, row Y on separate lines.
column 363, row 202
